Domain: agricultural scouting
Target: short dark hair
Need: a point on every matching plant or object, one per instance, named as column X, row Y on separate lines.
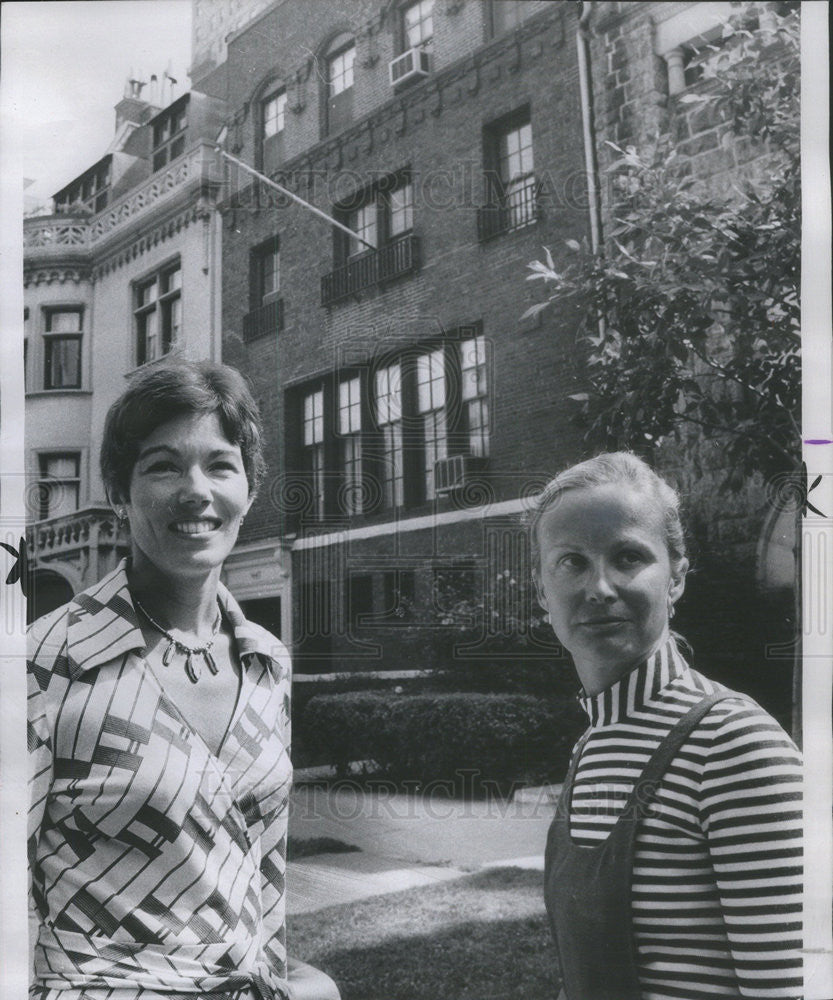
column 173, row 388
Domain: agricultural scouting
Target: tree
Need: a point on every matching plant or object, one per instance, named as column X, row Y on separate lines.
column 691, row 311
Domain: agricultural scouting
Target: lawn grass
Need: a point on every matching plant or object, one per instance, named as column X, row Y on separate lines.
column 481, row 937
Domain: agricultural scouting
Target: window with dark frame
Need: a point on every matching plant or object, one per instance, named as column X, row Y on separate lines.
column 59, row 483
column 350, row 444
column 271, row 125
column 426, row 406
column 91, row 190
column 475, row 394
column 273, row 114
column 62, row 348
column 388, row 386
column 512, row 189
column 265, row 314
column 418, row 25
column 339, row 84
column 431, row 407
column 169, row 134
column 157, row 313
column 267, row 272
column 381, row 214
column 313, row 446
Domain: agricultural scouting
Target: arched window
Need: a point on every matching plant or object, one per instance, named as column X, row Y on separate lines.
column 339, row 56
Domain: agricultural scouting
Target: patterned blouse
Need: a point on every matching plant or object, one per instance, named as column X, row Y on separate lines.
column 157, row 867
column 717, row 879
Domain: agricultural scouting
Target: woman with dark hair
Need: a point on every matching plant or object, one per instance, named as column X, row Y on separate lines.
column 159, row 727
column 674, row 862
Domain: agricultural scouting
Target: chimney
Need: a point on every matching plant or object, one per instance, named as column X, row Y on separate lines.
column 133, row 107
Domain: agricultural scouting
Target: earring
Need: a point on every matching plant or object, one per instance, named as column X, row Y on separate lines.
column 670, row 609
column 121, row 513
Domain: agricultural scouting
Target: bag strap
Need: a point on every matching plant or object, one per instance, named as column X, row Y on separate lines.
column 640, row 798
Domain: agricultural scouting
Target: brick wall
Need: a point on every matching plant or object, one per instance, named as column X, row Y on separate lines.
column 461, row 281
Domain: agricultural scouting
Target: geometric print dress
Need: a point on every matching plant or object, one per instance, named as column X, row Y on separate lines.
column 157, row 867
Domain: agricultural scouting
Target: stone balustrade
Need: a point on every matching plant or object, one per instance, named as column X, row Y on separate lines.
column 56, row 233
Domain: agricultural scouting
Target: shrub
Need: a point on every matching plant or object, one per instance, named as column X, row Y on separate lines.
column 476, row 739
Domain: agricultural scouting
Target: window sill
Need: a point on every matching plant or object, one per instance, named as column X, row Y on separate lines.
column 36, row 393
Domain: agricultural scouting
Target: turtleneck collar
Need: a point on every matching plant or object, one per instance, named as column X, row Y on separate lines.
column 636, row 690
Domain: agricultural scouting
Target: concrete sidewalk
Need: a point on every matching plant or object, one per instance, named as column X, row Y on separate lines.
column 407, row 840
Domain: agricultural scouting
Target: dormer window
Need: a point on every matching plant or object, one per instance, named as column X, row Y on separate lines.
column 169, row 134
column 90, row 191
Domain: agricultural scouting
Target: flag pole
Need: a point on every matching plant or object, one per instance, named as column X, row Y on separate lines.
column 294, row 197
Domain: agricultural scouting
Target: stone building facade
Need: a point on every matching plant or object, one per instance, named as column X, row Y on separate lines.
column 125, row 269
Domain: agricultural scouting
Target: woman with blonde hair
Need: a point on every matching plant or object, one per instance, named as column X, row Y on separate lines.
column 674, row 862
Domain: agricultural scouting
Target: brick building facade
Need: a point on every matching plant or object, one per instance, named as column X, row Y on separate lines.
column 409, row 408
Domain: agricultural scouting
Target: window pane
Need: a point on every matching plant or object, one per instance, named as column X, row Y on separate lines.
column 60, row 466
column 274, row 112
column 171, row 281
column 349, row 407
column 430, row 381
column 473, row 367
column 270, row 272
column 434, row 431
column 418, row 22
column 63, row 363
column 341, row 70
column 389, row 394
column 314, row 418
column 363, row 222
column 65, row 321
column 146, row 293
column 402, row 210
column 60, row 486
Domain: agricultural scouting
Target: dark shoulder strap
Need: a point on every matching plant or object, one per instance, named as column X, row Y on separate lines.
column 661, row 758
column 563, row 806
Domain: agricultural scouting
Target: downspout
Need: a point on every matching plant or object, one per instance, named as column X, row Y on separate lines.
column 586, row 90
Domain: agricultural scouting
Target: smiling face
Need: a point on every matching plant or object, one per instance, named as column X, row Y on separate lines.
column 606, row 579
column 188, row 494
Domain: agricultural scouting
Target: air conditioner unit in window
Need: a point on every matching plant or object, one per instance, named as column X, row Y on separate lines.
column 454, row 472
column 413, row 63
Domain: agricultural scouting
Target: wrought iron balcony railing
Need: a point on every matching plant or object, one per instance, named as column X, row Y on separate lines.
column 264, row 320
column 371, row 268
column 518, row 208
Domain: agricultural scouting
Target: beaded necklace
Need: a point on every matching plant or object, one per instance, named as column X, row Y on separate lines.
column 192, row 668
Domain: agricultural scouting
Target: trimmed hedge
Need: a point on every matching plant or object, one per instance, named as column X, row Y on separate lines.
column 469, row 738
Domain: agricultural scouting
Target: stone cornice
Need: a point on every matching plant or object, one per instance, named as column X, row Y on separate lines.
column 42, row 274
column 459, row 81
column 137, row 245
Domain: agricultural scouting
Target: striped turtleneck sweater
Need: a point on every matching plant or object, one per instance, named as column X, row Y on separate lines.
column 717, row 877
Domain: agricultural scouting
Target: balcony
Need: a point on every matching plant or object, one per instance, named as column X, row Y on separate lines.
column 518, row 209
column 370, row 269
column 266, row 319
column 56, row 236
column 82, row 546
